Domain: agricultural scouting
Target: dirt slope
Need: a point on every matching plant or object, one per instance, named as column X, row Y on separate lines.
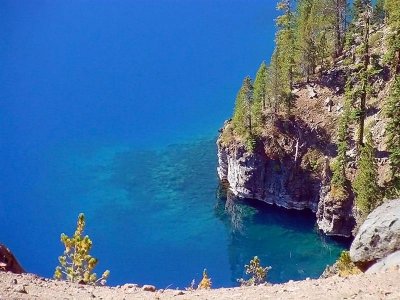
column 376, row 286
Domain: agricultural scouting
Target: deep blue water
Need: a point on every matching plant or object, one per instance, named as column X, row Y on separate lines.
column 111, row 108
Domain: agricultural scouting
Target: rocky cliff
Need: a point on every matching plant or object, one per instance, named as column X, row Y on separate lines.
column 273, row 172
column 290, row 165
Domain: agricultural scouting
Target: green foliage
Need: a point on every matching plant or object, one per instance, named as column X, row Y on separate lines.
column 257, row 273
column 205, row 283
column 284, row 50
column 76, row 264
column 313, row 160
column 359, row 7
column 260, row 96
column 250, row 143
column 345, row 266
column 313, row 34
column 393, row 133
column 379, row 12
column 242, row 120
column 392, row 8
column 275, row 89
column 365, row 183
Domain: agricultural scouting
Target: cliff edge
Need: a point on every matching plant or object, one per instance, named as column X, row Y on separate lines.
column 363, row 286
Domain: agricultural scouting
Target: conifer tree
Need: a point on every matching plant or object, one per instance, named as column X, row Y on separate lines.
column 285, row 43
column 77, row 264
column 365, row 183
column 365, row 72
column 339, row 180
column 358, row 9
column 393, row 133
column 306, row 44
column 260, row 96
column 393, row 11
column 275, row 89
column 339, row 8
column 242, row 120
column 379, row 12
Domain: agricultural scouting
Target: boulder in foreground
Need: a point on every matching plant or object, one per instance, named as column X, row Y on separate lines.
column 378, row 236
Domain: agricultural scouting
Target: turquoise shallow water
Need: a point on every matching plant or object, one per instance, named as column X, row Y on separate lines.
column 154, row 217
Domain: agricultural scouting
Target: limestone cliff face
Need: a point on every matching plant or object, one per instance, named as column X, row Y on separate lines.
column 334, row 217
column 274, row 174
column 257, row 176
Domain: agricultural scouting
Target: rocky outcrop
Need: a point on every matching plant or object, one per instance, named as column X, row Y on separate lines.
column 378, row 236
column 335, row 216
column 390, row 262
column 289, row 167
column 271, row 173
column 8, row 262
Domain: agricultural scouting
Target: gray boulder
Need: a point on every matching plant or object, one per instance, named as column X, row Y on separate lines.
column 378, row 236
column 388, row 263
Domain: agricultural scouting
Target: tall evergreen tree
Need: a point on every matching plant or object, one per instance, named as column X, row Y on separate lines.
column 379, row 12
column 358, row 9
column 393, row 133
column 305, row 42
column 242, row 121
column 365, row 72
column 260, row 96
column 339, row 8
column 393, row 11
column 275, row 88
column 285, row 43
column 365, row 183
column 339, row 180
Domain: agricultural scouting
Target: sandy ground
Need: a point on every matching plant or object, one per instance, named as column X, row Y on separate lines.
column 376, row 286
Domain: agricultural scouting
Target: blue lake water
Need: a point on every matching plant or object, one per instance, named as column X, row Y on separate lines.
column 112, row 109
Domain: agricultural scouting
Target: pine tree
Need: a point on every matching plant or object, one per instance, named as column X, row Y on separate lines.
column 285, row 44
column 242, row 120
column 358, row 9
column 339, row 8
column 364, row 73
column 393, row 133
column 275, row 89
column 258, row 273
column 260, row 96
column 393, row 11
column 77, row 264
column 379, row 12
column 305, row 43
column 365, row 183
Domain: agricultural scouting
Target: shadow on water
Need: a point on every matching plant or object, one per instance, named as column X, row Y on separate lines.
column 287, row 240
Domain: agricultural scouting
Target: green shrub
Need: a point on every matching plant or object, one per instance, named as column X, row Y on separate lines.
column 345, row 266
column 250, row 143
column 257, row 273
column 77, row 264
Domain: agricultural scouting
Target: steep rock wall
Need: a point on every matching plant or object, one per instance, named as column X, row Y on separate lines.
column 274, row 174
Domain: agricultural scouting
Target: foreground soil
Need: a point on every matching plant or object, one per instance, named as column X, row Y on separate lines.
column 373, row 286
